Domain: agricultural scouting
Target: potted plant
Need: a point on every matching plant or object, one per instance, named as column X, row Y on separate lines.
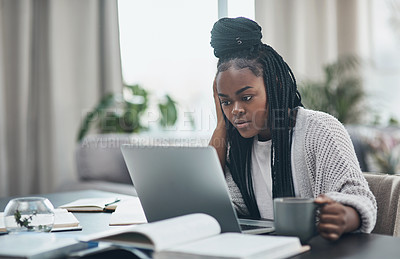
column 340, row 94
column 122, row 113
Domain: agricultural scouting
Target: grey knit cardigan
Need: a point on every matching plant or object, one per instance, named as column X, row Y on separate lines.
column 323, row 162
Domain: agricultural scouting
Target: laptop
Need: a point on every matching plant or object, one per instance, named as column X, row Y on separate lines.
column 173, row 181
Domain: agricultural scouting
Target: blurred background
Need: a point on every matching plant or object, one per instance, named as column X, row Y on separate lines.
column 71, row 69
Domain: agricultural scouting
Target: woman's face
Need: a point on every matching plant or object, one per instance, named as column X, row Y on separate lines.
column 244, row 101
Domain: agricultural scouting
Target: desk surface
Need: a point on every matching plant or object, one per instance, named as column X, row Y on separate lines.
column 362, row 246
column 91, row 222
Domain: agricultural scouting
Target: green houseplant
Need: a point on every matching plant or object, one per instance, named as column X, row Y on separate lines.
column 116, row 113
column 340, row 94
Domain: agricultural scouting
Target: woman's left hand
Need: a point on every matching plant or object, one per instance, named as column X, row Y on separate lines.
column 335, row 218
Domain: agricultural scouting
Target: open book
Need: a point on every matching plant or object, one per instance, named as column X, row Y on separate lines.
column 63, row 220
column 198, row 235
column 92, row 204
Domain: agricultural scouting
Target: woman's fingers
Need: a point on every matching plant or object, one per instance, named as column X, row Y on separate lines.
column 220, row 115
column 332, row 218
column 329, row 219
column 330, row 236
column 323, row 200
column 330, row 231
column 333, row 209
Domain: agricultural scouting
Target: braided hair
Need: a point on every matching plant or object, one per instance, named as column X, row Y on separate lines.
column 237, row 43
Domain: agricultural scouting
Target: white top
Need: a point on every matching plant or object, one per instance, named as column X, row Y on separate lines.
column 323, row 162
column 262, row 180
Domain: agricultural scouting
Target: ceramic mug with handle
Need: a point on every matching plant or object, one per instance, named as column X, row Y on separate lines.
column 295, row 217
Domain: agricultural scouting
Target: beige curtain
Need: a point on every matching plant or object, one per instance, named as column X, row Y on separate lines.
column 311, row 33
column 3, row 155
column 56, row 59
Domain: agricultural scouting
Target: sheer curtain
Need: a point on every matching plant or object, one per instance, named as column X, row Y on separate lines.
column 56, row 59
column 311, row 33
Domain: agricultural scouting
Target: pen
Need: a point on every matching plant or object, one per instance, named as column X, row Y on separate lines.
column 116, row 200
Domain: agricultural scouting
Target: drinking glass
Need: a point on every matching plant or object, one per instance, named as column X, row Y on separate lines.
column 33, row 214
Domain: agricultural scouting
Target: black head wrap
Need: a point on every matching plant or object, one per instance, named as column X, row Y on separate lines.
column 234, row 34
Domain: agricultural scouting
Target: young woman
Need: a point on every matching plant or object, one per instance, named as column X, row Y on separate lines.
column 270, row 146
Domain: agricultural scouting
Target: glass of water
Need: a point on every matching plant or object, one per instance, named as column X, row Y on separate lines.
column 33, row 214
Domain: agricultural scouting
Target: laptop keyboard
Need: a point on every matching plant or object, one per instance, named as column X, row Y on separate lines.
column 249, row 227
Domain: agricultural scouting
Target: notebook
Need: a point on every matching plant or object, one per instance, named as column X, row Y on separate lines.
column 173, row 181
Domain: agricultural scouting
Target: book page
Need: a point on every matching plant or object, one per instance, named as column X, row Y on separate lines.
column 236, row 245
column 63, row 219
column 128, row 212
column 2, row 225
column 162, row 234
column 179, row 230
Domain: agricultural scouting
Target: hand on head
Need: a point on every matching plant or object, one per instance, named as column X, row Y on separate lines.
column 335, row 218
column 218, row 109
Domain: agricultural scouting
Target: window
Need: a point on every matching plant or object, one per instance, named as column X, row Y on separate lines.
column 165, row 48
column 383, row 79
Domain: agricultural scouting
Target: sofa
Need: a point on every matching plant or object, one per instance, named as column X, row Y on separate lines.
column 100, row 164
